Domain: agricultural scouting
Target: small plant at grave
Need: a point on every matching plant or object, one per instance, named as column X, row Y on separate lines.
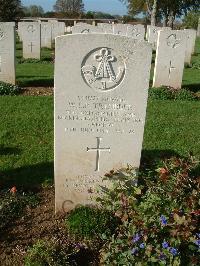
column 162, row 93
column 160, row 216
column 52, row 253
column 91, row 223
column 184, row 94
column 12, row 204
column 8, row 89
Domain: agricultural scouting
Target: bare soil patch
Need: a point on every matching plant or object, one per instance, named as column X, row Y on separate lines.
column 37, row 91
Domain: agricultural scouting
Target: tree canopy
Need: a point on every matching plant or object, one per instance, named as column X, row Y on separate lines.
column 69, row 6
column 10, row 10
column 33, row 11
column 168, row 10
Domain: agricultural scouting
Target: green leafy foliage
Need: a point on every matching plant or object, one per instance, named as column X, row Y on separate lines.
column 164, row 93
column 12, row 205
column 8, row 89
column 90, row 223
column 159, row 214
column 191, row 20
column 45, row 253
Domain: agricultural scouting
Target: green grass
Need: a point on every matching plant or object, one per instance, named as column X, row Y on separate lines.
column 39, row 73
column 26, row 136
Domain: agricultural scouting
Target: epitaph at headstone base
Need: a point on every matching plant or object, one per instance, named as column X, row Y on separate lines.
column 101, row 94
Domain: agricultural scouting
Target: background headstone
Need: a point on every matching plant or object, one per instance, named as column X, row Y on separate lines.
column 58, row 29
column 120, row 29
column 31, row 35
column 7, row 53
column 169, row 63
column 136, row 31
column 46, row 34
column 86, row 28
column 153, row 35
column 190, row 44
column 107, row 28
column 100, row 107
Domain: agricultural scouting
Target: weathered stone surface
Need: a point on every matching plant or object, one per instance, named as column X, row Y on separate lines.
column 7, row 53
column 58, row 29
column 169, row 63
column 85, row 28
column 31, row 37
column 107, row 28
column 152, row 34
column 190, row 44
column 101, row 89
column 46, row 34
column 120, row 29
column 136, row 31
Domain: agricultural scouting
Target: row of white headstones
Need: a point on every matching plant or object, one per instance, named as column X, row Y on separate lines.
column 173, row 48
column 101, row 92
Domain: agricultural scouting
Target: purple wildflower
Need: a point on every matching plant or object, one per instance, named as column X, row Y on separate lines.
column 142, row 245
column 173, row 251
column 136, row 238
column 197, row 242
column 163, row 220
column 134, row 251
column 165, row 244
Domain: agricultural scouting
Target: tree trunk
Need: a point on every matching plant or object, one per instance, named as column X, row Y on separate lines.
column 153, row 13
column 171, row 20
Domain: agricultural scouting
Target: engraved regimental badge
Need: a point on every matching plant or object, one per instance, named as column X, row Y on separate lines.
column 103, row 70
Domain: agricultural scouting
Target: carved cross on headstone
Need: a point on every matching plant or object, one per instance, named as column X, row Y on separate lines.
column 171, row 68
column 31, row 45
column 98, row 150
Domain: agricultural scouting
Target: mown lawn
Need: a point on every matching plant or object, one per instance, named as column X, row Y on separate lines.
column 35, row 73
column 26, row 136
column 41, row 73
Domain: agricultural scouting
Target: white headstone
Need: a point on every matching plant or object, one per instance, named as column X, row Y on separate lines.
column 107, row 28
column 136, row 31
column 120, row 29
column 58, row 29
column 46, row 34
column 100, row 107
column 86, row 28
column 169, row 63
column 190, row 44
column 153, row 34
column 31, row 35
column 7, row 53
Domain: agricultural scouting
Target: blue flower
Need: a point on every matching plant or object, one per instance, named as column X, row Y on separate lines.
column 134, row 251
column 136, row 238
column 165, row 244
column 197, row 242
column 142, row 245
column 163, row 220
column 173, row 251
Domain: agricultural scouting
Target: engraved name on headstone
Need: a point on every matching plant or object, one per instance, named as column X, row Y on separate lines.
column 100, row 108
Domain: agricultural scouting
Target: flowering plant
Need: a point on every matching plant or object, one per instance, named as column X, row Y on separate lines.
column 159, row 216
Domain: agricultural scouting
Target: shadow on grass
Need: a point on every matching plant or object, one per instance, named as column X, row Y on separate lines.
column 48, row 82
column 9, row 150
column 28, row 177
column 192, row 87
column 150, row 157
